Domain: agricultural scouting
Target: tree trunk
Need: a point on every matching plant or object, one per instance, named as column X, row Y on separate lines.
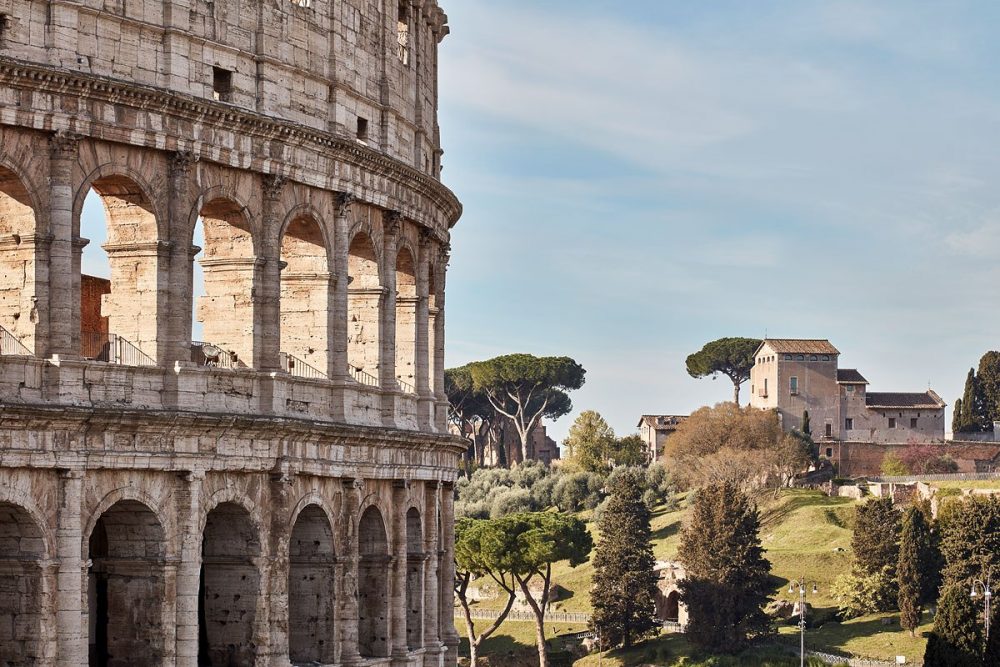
column 543, row 653
column 736, row 393
column 539, row 611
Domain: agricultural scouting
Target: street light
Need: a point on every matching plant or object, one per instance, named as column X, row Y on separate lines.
column 987, row 593
column 801, row 584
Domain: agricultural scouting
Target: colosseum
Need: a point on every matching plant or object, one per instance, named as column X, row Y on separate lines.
column 280, row 491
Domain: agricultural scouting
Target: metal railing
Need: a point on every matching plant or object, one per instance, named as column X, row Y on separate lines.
column 112, row 349
column 206, row 354
column 11, row 345
column 406, row 386
column 364, row 377
column 520, row 615
column 938, row 477
column 295, row 366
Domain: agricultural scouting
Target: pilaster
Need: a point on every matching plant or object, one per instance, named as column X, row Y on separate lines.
column 267, row 332
column 188, row 499
column 425, row 393
column 397, row 601
column 446, row 618
column 432, row 630
column 72, row 643
column 347, row 619
column 338, row 324
column 391, row 224
column 64, row 301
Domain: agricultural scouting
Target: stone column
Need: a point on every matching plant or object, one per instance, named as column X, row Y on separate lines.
column 441, row 420
column 64, row 300
column 391, row 222
column 397, row 601
column 267, row 333
column 339, row 313
column 277, row 597
column 432, row 635
column 347, row 619
column 449, row 636
column 189, row 505
column 72, row 642
column 425, row 394
column 175, row 345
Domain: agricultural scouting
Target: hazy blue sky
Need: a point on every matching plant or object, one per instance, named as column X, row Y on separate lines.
column 640, row 177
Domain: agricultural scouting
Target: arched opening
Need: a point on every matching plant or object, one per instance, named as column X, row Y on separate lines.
column 22, row 547
column 305, row 300
column 373, row 586
column 123, row 270
column 19, row 256
column 671, row 610
column 225, row 307
column 230, row 586
column 414, row 580
column 310, row 589
column 406, row 321
column 126, row 587
column 364, row 310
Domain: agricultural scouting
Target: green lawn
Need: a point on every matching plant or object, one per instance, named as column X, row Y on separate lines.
column 972, row 484
column 805, row 534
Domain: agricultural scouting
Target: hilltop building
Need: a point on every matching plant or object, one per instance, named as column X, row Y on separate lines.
column 655, row 430
column 793, row 376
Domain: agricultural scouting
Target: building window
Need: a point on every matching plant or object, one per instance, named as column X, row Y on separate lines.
column 793, row 385
column 788, row 357
column 813, row 358
column 403, row 34
column 892, row 422
column 829, row 431
column 849, row 424
column 765, row 386
column 4, row 29
column 913, row 422
column 826, row 357
column 302, row 3
column 829, row 452
column 849, row 389
column 362, row 129
column 800, row 358
column 222, row 84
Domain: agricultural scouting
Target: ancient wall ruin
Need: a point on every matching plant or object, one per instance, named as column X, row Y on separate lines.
column 281, row 491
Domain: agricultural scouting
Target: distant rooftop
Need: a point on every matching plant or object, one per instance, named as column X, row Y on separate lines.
column 928, row 400
column 850, row 376
column 663, row 422
column 800, row 346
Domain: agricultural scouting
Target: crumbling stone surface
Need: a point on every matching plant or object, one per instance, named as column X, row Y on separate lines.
column 283, row 494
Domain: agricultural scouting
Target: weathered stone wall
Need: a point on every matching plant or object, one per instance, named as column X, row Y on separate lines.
column 289, row 498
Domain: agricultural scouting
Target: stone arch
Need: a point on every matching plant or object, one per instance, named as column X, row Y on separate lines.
column 407, row 303
column 21, row 276
column 23, row 551
column 311, row 576
column 126, row 587
column 230, row 266
column 128, row 493
column 414, row 579
column 120, row 315
column 305, row 296
column 672, row 607
column 365, row 302
column 373, row 585
column 230, row 586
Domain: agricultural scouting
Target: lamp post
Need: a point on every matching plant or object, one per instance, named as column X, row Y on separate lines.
column 987, row 593
column 802, row 586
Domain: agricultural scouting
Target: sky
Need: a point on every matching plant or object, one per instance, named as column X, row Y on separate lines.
column 642, row 177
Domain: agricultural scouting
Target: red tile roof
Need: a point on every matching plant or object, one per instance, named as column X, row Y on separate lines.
column 927, row 400
column 799, row 346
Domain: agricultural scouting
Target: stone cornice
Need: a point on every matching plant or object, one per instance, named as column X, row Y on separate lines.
column 59, row 81
column 40, row 416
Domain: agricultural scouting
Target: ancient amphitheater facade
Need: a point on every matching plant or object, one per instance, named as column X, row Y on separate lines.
column 282, row 492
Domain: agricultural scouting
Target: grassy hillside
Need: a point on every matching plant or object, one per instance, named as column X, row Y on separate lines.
column 806, row 535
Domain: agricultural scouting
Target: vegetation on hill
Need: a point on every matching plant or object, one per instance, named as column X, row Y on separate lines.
column 733, row 357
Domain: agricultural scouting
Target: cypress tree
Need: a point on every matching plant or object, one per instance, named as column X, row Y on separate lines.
column 957, row 640
column 988, row 390
column 957, row 425
column 623, row 595
column 876, row 536
column 968, row 416
column 727, row 584
column 917, row 560
column 806, row 426
column 970, row 543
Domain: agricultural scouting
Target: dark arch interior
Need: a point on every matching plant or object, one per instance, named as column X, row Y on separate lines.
column 21, row 549
column 230, row 586
column 17, row 265
column 414, row 580
column 373, row 586
column 310, row 589
column 126, row 587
